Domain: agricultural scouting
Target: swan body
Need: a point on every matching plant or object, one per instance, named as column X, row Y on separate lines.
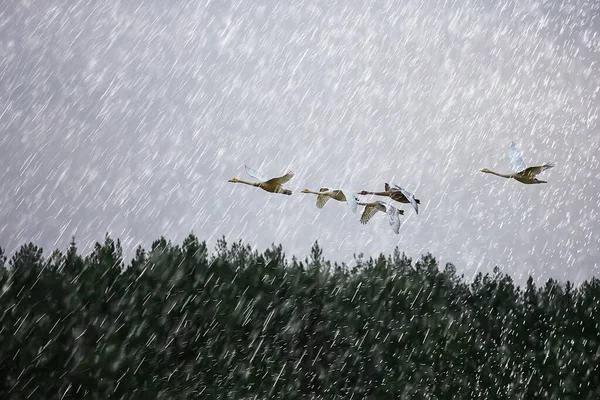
column 273, row 185
column 376, row 206
column 521, row 172
column 398, row 194
column 324, row 194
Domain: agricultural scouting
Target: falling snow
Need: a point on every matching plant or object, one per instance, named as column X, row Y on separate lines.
column 129, row 117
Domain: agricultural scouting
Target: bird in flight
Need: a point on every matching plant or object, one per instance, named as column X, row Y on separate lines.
column 324, row 194
column 521, row 173
column 398, row 194
column 273, row 185
column 373, row 208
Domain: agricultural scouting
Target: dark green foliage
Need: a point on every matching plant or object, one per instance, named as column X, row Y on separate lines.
column 2, row 258
column 178, row 323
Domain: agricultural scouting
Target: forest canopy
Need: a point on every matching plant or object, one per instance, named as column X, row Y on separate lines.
column 179, row 321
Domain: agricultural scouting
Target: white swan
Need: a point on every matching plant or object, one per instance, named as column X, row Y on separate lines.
column 398, row 194
column 324, row 194
column 521, row 172
column 376, row 206
column 273, row 185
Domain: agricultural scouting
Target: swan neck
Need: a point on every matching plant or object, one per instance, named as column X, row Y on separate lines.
column 248, row 183
column 502, row 175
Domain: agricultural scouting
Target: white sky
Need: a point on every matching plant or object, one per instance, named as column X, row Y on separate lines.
column 129, row 118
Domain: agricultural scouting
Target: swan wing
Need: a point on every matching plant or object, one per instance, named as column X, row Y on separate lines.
column 409, row 196
column 321, row 200
column 369, row 211
column 282, row 179
column 255, row 174
column 394, row 216
column 515, row 158
column 351, row 199
column 533, row 171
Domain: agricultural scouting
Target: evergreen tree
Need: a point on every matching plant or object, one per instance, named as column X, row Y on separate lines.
column 178, row 322
column 2, row 259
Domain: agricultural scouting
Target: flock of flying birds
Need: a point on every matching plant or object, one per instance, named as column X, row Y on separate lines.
column 521, row 173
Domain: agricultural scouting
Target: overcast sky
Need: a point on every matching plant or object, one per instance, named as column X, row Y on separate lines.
column 130, row 116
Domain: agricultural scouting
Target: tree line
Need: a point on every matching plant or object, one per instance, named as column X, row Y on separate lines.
column 180, row 322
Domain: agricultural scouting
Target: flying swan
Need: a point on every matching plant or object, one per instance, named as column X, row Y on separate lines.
column 273, row 185
column 376, row 206
column 398, row 194
column 521, row 172
column 324, row 194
